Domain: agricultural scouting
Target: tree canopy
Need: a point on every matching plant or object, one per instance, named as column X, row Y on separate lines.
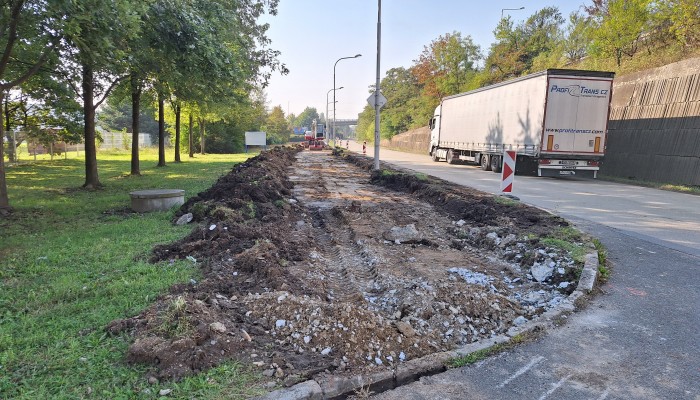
column 603, row 35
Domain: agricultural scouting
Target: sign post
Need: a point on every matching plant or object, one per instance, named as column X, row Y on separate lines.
column 508, row 172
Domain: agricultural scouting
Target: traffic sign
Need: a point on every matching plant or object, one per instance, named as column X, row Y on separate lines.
column 381, row 99
column 508, row 172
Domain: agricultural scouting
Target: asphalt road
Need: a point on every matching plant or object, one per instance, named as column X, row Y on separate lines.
column 668, row 218
column 637, row 340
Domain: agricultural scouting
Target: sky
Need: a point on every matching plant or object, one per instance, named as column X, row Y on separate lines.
column 313, row 34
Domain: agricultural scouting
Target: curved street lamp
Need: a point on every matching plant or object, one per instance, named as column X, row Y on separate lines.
column 510, row 9
column 332, row 90
column 334, row 65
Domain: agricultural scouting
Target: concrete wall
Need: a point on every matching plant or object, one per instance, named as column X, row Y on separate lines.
column 654, row 128
column 413, row 141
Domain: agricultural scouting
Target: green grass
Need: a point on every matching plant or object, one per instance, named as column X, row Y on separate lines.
column 603, row 270
column 570, row 240
column 505, row 201
column 483, row 354
column 421, row 176
column 695, row 190
column 72, row 260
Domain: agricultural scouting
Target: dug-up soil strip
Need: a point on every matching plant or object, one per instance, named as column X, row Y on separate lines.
column 328, row 386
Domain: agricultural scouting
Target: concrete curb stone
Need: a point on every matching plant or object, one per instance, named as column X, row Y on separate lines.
column 331, row 387
column 309, row 390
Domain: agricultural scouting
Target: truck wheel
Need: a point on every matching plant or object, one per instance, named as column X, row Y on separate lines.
column 496, row 164
column 434, row 155
column 450, row 157
column 485, row 164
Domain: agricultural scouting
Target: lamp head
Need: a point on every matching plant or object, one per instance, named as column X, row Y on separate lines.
column 357, row 55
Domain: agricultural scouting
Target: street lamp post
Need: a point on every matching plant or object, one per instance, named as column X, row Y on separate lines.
column 327, row 103
column 336, row 63
column 510, row 9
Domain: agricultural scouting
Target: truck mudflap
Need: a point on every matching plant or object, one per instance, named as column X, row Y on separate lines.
column 579, row 168
column 581, row 173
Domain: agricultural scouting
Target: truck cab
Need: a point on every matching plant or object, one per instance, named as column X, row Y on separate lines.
column 434, row 125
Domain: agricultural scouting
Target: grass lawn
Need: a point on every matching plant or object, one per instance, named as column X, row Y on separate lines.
column 73, row 260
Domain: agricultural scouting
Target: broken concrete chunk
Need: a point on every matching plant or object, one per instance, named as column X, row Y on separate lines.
column 541, row 272
column 184, row 219
column 403, row 234
column 217, row 327
column 405, row 328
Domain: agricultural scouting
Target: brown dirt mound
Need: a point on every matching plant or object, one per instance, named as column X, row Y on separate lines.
column 310, row 266
column 480, row 209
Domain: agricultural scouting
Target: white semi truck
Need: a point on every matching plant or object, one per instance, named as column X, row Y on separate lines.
column 556, row 121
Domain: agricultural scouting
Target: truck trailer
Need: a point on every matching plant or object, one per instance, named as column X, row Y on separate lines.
column 555, row 120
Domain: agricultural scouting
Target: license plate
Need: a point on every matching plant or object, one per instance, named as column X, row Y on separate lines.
column 568, row 162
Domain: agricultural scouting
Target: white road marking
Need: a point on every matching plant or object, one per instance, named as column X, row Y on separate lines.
column 521, row 371
column 648, row 251
column 604, row 395
column 555, row 387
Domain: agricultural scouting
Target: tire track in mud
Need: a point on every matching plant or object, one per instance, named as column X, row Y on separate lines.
column 351, row 271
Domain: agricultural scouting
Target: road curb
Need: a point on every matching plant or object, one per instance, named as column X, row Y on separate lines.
column 338, row 387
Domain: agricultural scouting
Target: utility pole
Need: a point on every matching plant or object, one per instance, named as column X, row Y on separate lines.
column 377, row 106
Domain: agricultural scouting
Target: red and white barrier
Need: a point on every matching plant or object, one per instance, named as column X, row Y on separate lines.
column 508, row 171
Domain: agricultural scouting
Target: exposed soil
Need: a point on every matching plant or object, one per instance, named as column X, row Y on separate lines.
column 312, row 263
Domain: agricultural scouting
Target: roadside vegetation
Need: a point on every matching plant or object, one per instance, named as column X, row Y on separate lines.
column 571, row 240
column 695, row 190
column 480, row 355
column 603, row 266
column 621, row 36
column 72, row 260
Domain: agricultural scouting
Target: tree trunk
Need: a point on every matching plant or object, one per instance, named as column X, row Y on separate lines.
column 177, row 132
column 135, row 111
column 161, row 129
column 191, row 140
column 92, row 180
column 4, row 200
column 12, row 146
column 201, row 135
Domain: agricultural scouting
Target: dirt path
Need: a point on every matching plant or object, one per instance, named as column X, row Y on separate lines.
column 311, row 267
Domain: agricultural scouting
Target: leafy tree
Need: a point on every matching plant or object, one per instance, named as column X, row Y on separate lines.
column 400, row 87
column 542, row 33
column 506, row 58
column 447, row 65
column 683, row 19
column 276, row 127
column 115, row 114
column 233, row 60
column 619, row 27
column 40, row 112
column 96, row 35
column 28, row 43
column 365, row 123
column 306, row 117
column 517, row 47
column 575, row 42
